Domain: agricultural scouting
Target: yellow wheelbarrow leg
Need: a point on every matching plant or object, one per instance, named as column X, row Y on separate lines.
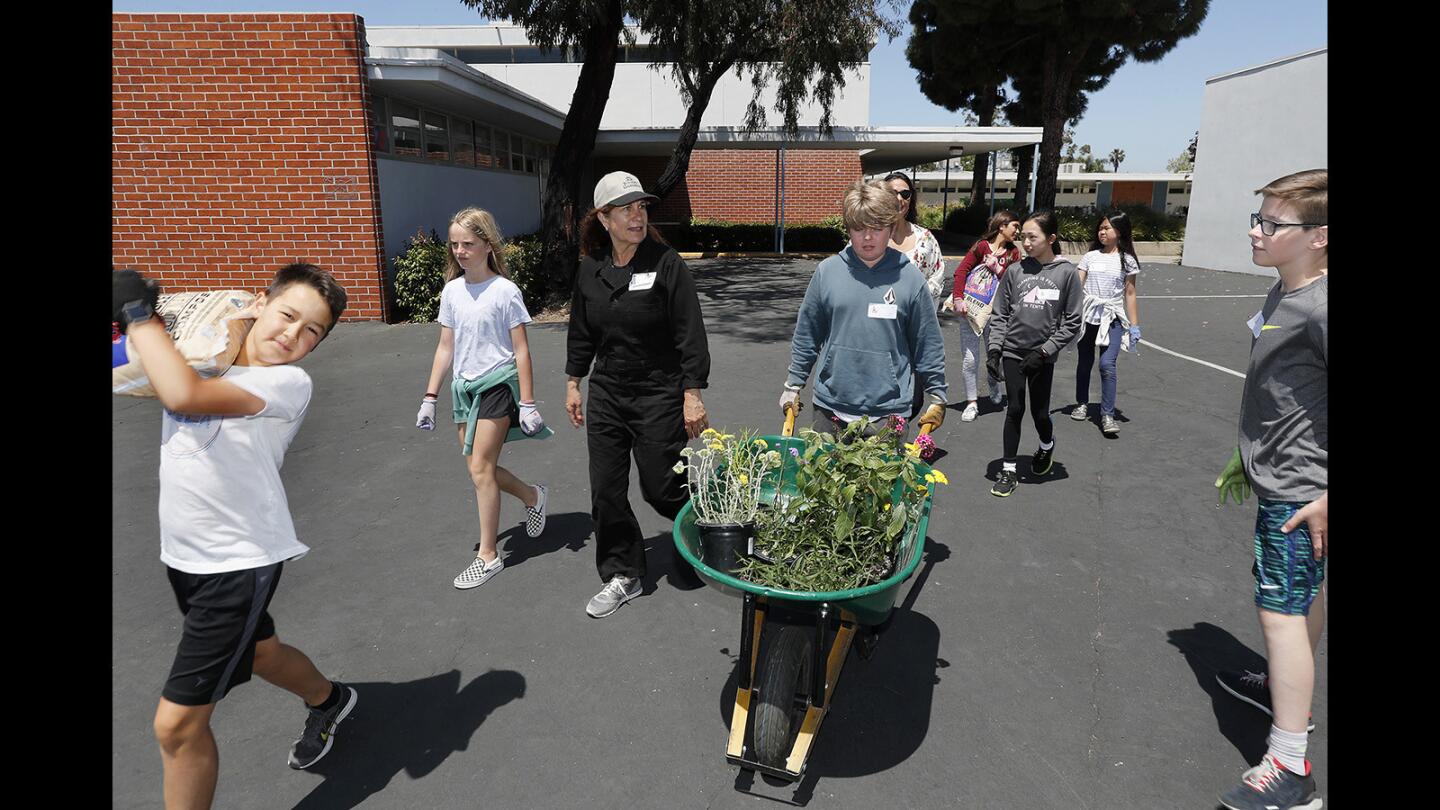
column 810, row 726
column 744, row 690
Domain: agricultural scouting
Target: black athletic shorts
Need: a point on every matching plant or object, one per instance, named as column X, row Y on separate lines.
column 225, row 614
column 495, row 402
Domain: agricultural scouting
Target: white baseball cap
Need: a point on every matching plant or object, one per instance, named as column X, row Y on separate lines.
column 620, row 188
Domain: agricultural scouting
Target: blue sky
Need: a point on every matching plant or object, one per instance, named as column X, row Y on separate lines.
column 1149, row 110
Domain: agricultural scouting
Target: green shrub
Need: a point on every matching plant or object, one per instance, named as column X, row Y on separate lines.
column 717, row 235
column 419, row 276
column 523, row 254
column 968, row 221
column 1077, row 224
column 929, row 216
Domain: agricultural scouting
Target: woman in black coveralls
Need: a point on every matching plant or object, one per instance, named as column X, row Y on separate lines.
column 636, row 315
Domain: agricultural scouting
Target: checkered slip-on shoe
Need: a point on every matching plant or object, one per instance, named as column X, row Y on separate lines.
column 535, row 516
column 477, row 572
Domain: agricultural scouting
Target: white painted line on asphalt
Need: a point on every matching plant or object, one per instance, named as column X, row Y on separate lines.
column 1145, row 344
column 1199, row 296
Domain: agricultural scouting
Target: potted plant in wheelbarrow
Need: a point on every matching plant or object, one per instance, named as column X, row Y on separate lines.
column 724, row 478
column 841, row 526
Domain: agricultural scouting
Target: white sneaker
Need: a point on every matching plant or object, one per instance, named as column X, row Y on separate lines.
column 535, row 516
column 616, row 592
column 971, row 411
column 478, row 572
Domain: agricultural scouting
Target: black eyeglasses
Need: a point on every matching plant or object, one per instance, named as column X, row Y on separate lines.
column 1268, row 227
column 904, row 194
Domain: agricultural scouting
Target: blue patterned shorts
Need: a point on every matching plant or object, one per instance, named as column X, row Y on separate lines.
column 1287, row 575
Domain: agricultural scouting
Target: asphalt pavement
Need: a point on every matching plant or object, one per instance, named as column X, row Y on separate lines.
column 1056, row 649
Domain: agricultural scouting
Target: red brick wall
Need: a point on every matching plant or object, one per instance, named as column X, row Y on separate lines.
column 738, row 185
column 240, row 145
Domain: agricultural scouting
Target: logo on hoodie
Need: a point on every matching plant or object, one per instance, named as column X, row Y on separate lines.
column 1042, row 291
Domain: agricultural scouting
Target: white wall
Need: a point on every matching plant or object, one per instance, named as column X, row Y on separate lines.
column 1256, row 125
column 422, row 196
column 642, row 98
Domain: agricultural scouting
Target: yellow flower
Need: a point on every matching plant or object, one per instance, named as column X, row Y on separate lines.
column 929, row 478
column 715, row 446
column 760, row 443
column 912, row 448
column 709, row 433
column 940, row 477
column 887, row 507
column 679, row 467
column 744, row 479
column 727, row 435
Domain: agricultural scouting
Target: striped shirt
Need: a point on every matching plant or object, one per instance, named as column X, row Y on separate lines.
column 1104, row 279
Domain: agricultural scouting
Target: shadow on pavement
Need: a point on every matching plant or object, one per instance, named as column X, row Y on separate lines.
column 568, row 530
column 881, row 712
column 662, row 559
column 754, row 300
column 413, row 726
column 1022, row 466
column 1209, row 649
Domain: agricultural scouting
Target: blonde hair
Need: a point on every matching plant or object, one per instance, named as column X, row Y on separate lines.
column 479, row 222
column 870, row 205
column 1307, row 192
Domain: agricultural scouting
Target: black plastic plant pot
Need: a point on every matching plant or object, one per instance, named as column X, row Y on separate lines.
column 724, row 545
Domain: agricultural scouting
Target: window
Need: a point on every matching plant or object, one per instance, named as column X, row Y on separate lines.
column 531, row 156
column 462, row 142
column 379, row 133
column 437, row 139
column 483, row 155
column 405, row 128
column 501, row 145
column 517, row 153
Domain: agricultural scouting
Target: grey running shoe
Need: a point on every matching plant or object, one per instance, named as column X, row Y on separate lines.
column 535, row 517
column 1005, row 483
column 319, row 733
column 1268, row 786
column 616, row 592
column 1109, row 426
column 1081, row 412
column 1253, row 688
column 478, row 572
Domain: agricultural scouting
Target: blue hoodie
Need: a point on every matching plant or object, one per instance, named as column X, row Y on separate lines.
column 877, row 329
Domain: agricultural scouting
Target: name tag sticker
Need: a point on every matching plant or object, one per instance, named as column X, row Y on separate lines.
column 1257, row 323
column 1049, row 295
column 886, row 311
column 642, row 281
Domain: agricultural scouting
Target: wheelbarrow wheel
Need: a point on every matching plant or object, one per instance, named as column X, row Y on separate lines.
column 784, row 686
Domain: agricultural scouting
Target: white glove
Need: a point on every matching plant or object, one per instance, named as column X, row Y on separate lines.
column 425, row 419
column 791, row 397
column 530, row 421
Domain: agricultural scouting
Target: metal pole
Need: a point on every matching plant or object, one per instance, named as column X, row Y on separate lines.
column 993, row 164
column 1034, row 175
column 775, row 242
column 782, row 199
column 945, row 205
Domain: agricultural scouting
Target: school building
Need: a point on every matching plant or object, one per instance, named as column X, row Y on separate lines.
column 1162, row 191
column 242, row 142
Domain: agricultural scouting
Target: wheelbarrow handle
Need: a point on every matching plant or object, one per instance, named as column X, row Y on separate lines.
column 789, row 428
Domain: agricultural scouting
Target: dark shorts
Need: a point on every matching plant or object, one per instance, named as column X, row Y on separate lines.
column 495, row 402
column 1287, row 575
column 225, row 614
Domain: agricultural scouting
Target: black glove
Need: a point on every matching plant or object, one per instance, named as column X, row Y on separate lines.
column 127, row 286
column 1032, row 362
column 992, row 364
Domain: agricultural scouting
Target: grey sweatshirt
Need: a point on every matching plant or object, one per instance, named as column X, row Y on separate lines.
column 873, row 330
column 1036, row 307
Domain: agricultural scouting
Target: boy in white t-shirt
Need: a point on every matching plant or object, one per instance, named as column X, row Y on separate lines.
column 225, row 527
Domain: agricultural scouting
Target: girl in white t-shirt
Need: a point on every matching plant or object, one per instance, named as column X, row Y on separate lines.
column 483, row 343
column 1108, row 272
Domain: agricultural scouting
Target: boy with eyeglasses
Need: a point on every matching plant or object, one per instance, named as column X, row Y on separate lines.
column 1283, row 456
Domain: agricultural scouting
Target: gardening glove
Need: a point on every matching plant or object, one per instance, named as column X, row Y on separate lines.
column 791, row 397
column 1232, row 480
column 934, row 414
column 530, row 421
column 425, row 419
column 992, row 364
column 127, row 286
column 1135, row 335
column 1033, row 361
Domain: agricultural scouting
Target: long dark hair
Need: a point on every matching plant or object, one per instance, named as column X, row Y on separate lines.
column 914, row 199
column 1120, row 223
column 1000, row 220
column 595, row 240
column 1049, row 225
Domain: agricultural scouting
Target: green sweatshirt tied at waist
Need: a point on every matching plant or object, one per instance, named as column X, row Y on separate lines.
column 465, row 399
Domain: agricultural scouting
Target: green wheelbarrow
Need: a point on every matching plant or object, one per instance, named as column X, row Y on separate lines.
column 794, row 643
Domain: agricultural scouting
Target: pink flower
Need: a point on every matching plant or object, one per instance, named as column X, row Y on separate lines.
column 927, row 446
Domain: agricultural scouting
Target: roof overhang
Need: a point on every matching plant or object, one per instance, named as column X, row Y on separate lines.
column 882, row 149
column 433, row 78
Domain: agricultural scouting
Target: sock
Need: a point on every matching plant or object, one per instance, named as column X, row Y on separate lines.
column 1288, row 748
column 1048, row 445
column 1008, row 465
column 329, row 703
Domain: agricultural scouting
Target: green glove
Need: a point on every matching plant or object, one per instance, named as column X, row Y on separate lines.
column 1232, row 480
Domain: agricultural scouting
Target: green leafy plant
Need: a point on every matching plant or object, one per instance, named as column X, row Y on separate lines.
column 853, row 501
column 724, row 476
column 718, row 235
column 420, row 275
column 523, row 254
